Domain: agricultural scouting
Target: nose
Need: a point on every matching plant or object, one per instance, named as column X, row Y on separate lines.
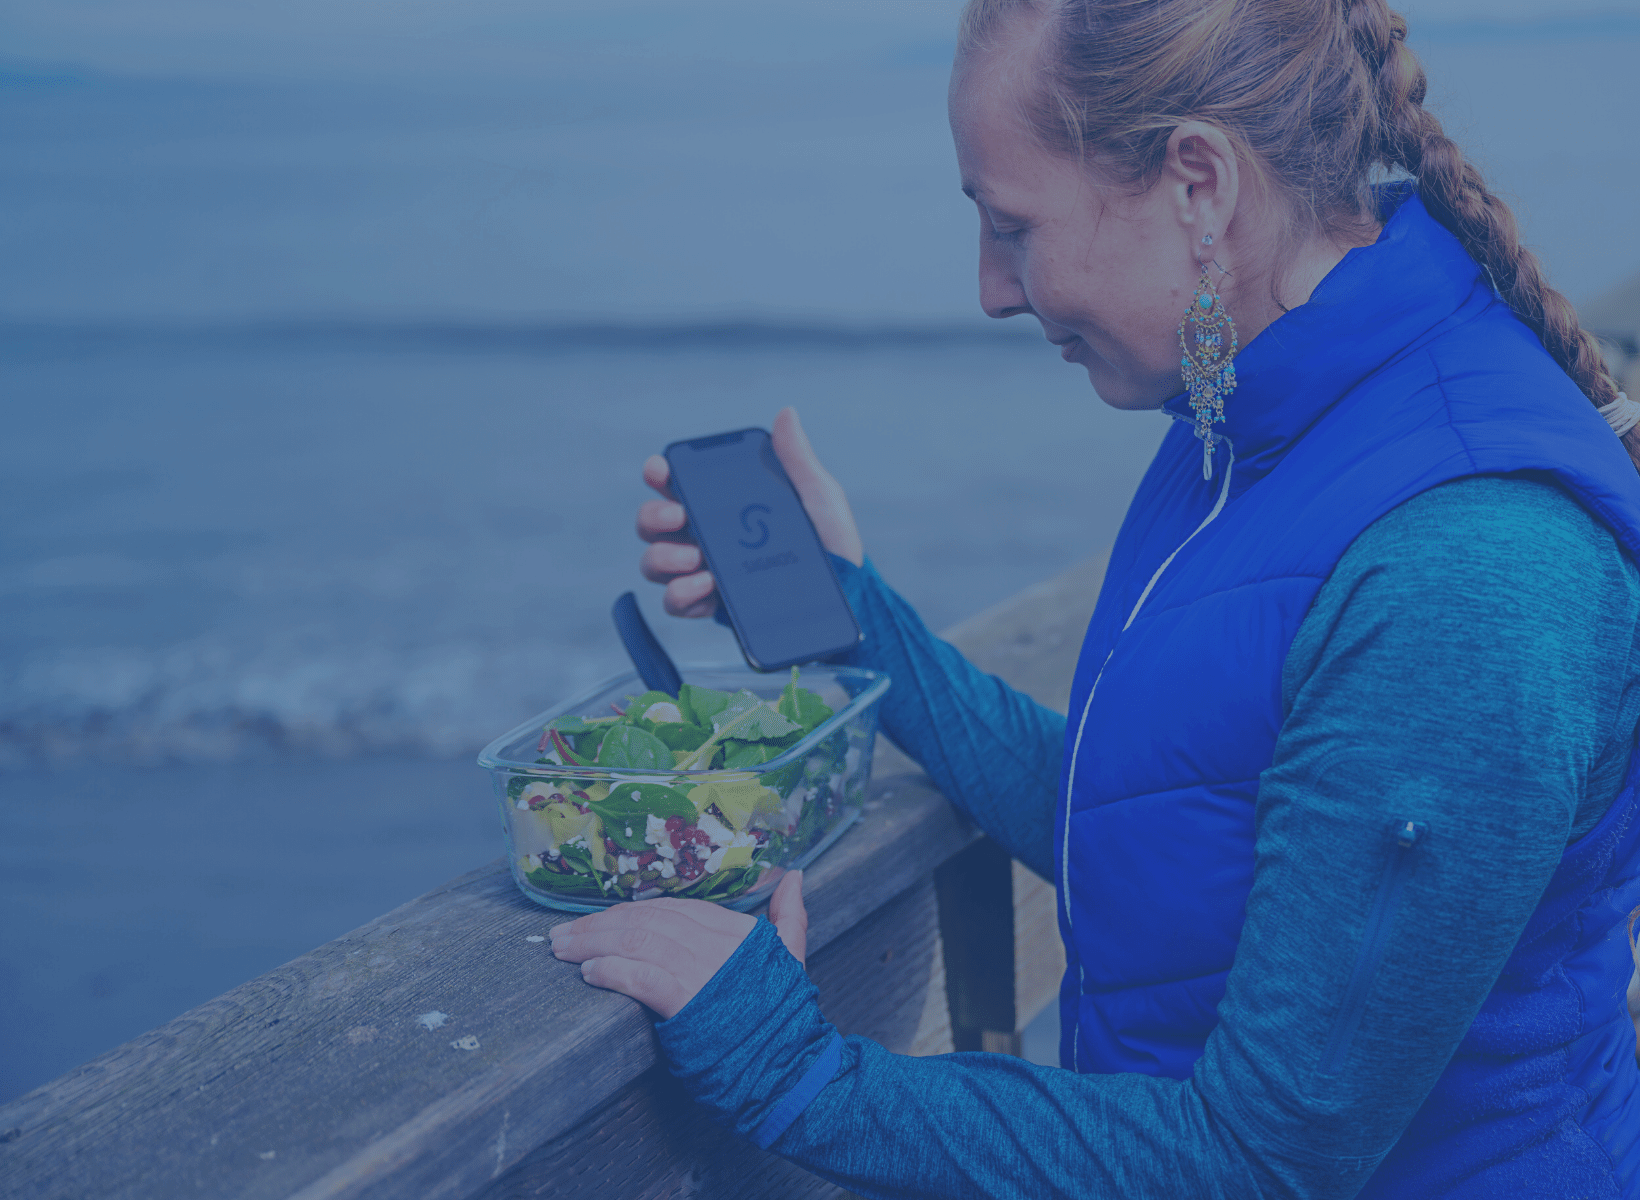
column 1001, row 295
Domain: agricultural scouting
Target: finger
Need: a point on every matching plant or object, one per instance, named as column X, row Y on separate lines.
column 790, row 917
column 822, row 496
column 661, row 519
column 677, row 918
column 705, row 608
column 662, row 947
column 691, row 595
column 654, row 938
column 665, row 561
column 657, row 473
column 644, row 982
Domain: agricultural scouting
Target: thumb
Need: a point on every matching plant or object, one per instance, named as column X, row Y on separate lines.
column 822, row 495
column 791, row 919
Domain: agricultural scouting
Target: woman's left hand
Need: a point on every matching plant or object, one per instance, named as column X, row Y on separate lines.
column 662, row 952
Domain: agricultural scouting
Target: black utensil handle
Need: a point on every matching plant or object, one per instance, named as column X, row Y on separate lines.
column 654, row 664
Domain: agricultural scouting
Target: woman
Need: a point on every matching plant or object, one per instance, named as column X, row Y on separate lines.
column 1343, row 819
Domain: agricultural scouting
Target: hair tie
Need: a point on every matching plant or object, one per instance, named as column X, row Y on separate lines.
column 1622, row 414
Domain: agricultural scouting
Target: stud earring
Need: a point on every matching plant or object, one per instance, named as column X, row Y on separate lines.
column 1208, row 367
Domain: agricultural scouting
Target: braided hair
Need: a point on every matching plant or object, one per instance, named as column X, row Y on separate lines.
column 1322, row 98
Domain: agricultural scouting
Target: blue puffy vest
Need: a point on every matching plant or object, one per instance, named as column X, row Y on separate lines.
column 1403, row 371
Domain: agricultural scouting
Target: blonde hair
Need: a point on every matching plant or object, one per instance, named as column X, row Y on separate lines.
column 1322, row 97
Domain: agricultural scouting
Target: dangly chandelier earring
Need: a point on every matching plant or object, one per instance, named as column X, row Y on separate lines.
column 1208, row 368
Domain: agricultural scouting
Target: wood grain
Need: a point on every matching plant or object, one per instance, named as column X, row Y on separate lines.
column 1039, row 954
column 1031, row 640
column 652, row 1143
column 316, row 1080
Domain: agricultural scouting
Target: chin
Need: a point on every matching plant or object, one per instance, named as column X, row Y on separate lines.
column 1122, row 393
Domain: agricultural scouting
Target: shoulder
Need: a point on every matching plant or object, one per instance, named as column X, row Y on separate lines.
column 1519, row 529
column 1490, row 570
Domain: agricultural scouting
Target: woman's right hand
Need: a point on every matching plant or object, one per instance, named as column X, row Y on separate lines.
column 673, row 558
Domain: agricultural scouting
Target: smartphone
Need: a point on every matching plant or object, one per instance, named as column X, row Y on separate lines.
column 773, row 576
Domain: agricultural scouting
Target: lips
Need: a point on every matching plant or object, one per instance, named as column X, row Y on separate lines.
column 1068, row 349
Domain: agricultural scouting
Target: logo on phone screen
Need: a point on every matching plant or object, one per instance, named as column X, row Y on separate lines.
column 756, row 528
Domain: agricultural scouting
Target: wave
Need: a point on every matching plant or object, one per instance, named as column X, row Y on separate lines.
column 208, row 702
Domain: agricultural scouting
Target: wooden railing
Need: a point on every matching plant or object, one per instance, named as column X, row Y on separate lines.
column 441, row 1051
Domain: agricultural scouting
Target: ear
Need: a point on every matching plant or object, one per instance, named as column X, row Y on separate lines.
column 1203, row 177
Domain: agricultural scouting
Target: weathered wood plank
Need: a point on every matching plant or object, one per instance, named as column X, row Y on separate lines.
column 316, row 1080
column 1031, row 640
column 652, row 1143
column 1039, row 954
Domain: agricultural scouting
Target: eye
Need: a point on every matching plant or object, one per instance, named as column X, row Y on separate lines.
column 1008, row 236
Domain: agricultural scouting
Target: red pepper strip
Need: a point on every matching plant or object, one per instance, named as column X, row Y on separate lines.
column 546, row 739
column 569, row 756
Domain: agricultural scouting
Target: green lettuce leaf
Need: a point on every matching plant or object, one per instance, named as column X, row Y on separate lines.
column 803, row 706
column 741, row 756
column 749, row 718
column 699, row 705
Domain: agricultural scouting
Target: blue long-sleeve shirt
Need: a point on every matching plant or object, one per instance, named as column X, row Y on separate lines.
column 1477, row 647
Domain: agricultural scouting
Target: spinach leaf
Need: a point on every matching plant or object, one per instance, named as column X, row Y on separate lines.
column 699, row 705
column 571, row 725
column 629, row 746
column 682, row 737
column 639, row 706
column 577, row 857
column 739, row 755
column 553, row 881
column 625, row 811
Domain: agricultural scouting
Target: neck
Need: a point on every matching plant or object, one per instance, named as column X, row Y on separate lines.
column 1264, row 298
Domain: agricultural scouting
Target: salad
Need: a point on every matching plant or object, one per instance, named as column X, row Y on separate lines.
column 670, row 796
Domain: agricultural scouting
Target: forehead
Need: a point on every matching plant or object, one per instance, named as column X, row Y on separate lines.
column 997, row 150
column 991, row 85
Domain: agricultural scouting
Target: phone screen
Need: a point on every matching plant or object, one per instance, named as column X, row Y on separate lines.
column 772, row 574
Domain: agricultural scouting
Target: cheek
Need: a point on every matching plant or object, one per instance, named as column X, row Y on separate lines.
column 1065, row 291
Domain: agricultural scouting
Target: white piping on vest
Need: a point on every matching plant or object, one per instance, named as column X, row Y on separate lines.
column 1070, row 775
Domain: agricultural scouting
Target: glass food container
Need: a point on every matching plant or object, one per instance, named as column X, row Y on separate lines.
column 626, row 794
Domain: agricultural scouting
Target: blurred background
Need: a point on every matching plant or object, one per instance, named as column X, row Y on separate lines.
column 333, row 334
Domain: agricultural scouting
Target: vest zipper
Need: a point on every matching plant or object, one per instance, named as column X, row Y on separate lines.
column 1404, row 835
column 1076, row 746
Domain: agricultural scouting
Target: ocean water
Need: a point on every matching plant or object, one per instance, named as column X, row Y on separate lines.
column 236, row 551
column 332, row 338
column 264, row 602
